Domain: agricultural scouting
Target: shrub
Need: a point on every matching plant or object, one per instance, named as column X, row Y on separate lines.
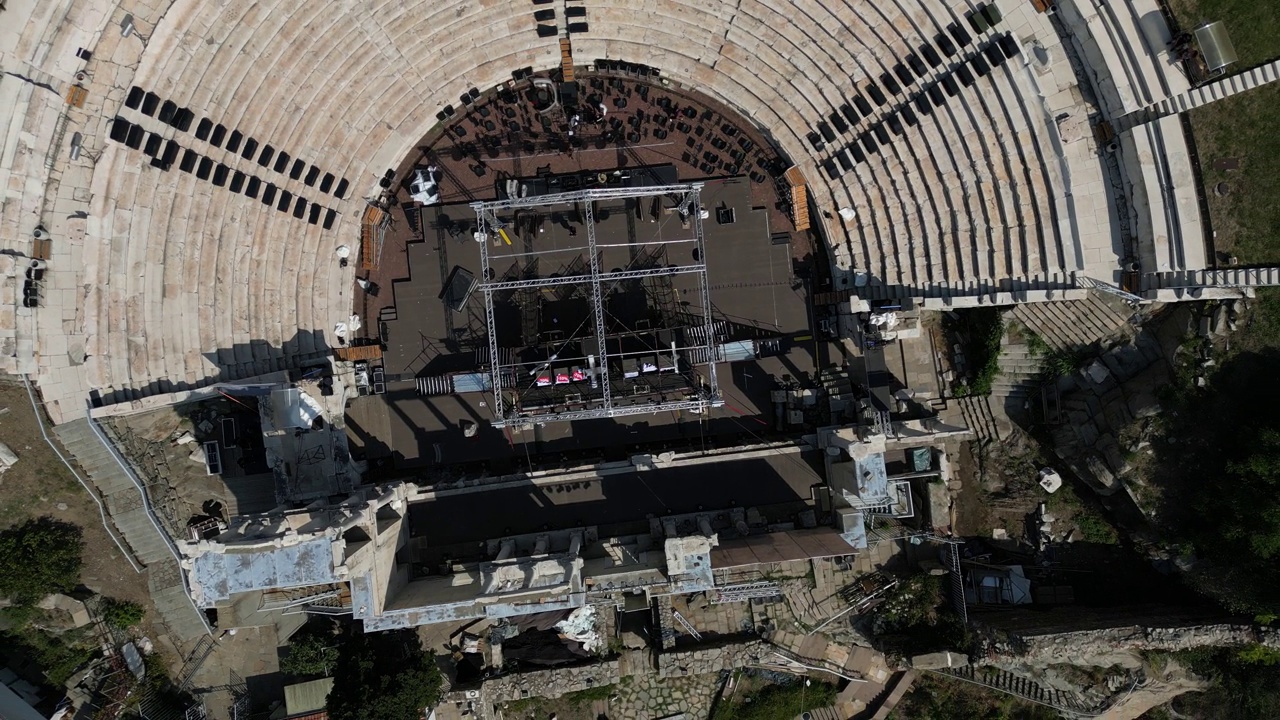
column 383, row 676
column 310, row 653
column 122, row 613
column 39, row 557
column 980, row 331
column 778, row 702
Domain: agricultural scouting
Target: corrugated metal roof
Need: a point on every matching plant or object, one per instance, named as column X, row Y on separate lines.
column 307, row 697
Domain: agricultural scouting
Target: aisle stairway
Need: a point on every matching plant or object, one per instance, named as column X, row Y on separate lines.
column 1220, row 89
column 1007, row 682
column 1074, row 324
column 130, row 513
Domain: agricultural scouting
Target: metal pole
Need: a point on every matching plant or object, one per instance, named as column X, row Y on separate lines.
column 694, row 203
column 595, row 277
column 494, row 365
column 597, row 306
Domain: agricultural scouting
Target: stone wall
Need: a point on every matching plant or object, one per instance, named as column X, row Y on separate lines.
column 711, row 659
column 1100, row 647
column 550, row 683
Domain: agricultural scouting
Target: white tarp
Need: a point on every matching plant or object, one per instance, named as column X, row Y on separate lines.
column 580, row 626
column 888, row 320
column 292, row 408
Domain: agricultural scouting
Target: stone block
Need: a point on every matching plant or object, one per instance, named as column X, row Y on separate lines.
column 939, row 660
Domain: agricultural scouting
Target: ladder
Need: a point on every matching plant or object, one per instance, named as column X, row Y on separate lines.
column 688, row 627
column 745, row 591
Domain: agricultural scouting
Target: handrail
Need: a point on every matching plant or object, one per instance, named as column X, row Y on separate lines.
column 102, row 511
column 151, row 515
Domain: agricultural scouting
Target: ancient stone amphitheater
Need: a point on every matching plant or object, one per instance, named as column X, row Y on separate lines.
column 186, row 169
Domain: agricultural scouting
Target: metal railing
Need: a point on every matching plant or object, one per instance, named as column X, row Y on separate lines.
column 127, row 468
column 102, row 510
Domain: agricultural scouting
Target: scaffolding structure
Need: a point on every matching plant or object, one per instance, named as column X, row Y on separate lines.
column 493, row 218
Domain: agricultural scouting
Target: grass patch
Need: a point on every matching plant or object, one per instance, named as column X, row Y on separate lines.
column 1227, row 431
column 1053, row 363
column 916, row 617
column 1246, row 683
column 583, row 698
column 1243, row 127
column 122, row 614
column 1094, row 528
column 778, row 702
column 574, row 700
column 40, row 656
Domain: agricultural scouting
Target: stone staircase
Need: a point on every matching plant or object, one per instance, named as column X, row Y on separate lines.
column 822, row 713
column 1074, row 324
column 1217, row 90
column 978, row 416
column 1019, row 373
column 130, row 513
column 1027, row 689
column 1229, row 278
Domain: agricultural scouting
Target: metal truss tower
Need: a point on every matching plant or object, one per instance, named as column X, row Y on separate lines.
column 687, row 204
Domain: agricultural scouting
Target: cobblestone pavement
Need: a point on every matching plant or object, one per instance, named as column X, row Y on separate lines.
column 647, row 697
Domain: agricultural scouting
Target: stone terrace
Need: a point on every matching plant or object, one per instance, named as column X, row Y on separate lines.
column 226, row 148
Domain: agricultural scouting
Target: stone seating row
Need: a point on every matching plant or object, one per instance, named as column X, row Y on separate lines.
column 243, row 325
column 197, row 309
column 904, row 44
column 357, row 94
column 1130, row 69
column 1004, row 151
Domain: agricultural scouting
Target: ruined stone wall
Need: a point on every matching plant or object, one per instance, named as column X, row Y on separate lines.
column 550, row 683
column 1107, row 646
column 707, row 660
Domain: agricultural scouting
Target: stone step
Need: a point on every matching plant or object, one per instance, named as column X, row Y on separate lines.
column 127, row 511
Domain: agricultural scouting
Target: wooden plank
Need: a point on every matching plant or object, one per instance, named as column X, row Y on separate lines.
column 566, row 59
column 76, row 96
column 800, row 207
column 359, row 352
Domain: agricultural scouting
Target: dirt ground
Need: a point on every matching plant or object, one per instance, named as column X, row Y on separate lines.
column 1000, row 490
column 39, row 484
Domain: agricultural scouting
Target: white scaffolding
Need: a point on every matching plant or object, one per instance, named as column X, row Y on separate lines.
column 687, row 205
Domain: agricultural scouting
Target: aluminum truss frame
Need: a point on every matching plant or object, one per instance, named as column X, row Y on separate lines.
column 688, row 196
column 619, row 193
column 597, row 302
column 708, row 324
column 596, row 277
column 498, row 412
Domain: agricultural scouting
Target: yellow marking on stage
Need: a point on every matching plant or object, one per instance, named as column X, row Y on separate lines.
column 505, row 238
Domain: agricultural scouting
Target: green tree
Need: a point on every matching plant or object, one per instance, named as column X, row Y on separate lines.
column 383, row 676
column 1245, row 684
column 311, row 653
column 1254, row 519
column 39, row 557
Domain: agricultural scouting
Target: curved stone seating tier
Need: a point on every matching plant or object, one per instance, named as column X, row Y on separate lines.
column 186, row 282
column 1124, row 45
